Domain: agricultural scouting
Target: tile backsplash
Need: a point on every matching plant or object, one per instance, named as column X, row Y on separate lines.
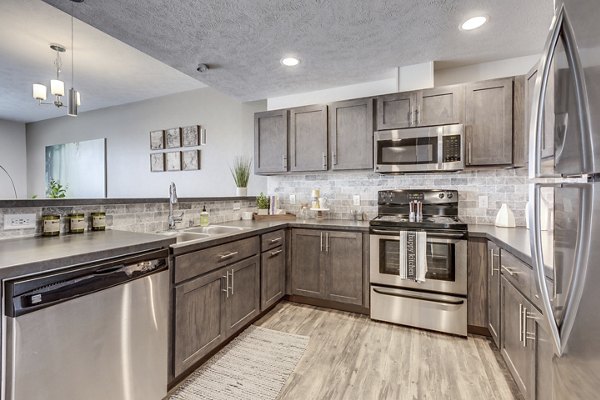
column 500, row 186
column 135, row 217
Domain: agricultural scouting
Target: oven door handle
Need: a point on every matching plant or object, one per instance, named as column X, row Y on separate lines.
column 442, row 235
column 419, row 297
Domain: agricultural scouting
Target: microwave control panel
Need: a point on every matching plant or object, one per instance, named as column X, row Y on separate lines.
column 451, row 148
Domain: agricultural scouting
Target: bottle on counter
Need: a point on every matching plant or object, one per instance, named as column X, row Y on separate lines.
column 204, row 217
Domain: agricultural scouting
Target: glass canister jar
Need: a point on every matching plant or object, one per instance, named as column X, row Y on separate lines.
column 99, row 221
column 51, row 225
column 76, row 223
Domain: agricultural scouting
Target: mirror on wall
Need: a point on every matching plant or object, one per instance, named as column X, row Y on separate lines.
column 76, row 170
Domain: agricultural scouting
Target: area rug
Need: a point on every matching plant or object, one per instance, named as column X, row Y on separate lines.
column 254, row 366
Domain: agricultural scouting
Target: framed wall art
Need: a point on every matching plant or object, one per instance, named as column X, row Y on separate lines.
column 173, row 162
column 157, row 162
column 190, row 160
column 173, row 138
column 190, row 135
column 157, row 140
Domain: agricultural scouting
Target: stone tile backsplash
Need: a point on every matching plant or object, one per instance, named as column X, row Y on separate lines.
column 138, row 217
column 500, row 186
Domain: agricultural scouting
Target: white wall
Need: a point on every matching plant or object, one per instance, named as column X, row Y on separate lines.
column 229, row 127
column 484, row 71
column 13, row 157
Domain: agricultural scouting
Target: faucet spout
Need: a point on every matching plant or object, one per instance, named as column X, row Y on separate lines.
column 173, row 220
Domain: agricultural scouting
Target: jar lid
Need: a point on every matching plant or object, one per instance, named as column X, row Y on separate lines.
column 98, row 213
column 77, row 215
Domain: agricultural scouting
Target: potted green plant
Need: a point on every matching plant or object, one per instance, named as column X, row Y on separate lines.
column 262, row 202
column 56, row 190
column 241, row 174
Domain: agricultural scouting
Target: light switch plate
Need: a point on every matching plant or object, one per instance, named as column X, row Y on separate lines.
column 292, row 199
column 356, row 200
column 483, row 201
column 19, row 221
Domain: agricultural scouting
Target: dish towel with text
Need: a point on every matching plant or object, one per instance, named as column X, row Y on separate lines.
column 413, row 255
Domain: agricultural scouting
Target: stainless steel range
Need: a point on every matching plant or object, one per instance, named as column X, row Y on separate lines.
column 440, row 302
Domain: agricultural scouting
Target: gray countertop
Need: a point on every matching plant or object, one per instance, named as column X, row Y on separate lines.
column 23, row 256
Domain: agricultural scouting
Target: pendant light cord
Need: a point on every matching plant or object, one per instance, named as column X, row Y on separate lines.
column 72, row 48
column 11, row 181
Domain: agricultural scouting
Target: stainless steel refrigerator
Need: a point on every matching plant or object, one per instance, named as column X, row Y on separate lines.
column 567, row 105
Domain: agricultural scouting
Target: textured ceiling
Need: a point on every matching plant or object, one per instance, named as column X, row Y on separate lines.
column 108, row 72
column 339, row 41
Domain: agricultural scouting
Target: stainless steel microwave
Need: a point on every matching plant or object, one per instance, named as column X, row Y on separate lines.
column 436, row 148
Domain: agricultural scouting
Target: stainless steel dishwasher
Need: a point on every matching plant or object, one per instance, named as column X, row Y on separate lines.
column 93, row 332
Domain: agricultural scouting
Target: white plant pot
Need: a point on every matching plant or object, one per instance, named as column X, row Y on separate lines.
column 241, row 192
column 263, row 211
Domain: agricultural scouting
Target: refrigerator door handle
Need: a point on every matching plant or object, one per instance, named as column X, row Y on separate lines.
column 560, row 334
column 560, row 25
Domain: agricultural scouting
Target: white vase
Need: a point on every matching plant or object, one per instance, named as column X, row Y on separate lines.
column 505, row 217
column 241, row 192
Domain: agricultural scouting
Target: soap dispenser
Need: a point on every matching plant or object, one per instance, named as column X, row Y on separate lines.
column 204, row 217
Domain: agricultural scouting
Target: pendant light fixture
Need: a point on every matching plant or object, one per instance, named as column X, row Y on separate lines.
column 57, row 86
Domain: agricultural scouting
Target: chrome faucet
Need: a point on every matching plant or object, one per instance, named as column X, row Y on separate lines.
column 173, row 200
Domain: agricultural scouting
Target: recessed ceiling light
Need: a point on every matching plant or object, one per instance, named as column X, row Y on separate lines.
column 290, row 61
column 474, row 23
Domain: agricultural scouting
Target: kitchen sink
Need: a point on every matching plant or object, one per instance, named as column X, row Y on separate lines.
column 215, row 229
column 188, row 236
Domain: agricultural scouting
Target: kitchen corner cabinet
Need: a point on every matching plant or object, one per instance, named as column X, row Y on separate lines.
column 438, row 106
column 351, row 134
column 328, row 265
column 271, row 142
column 489, row 122
column 308, row 138
column 272, row 268
column 493, row 285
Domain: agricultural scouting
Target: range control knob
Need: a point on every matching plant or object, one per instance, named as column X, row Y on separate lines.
column 441, row 195
column 450, row 195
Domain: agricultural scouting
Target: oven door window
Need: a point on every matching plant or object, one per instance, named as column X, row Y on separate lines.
column 440, row 259
column 409, row 151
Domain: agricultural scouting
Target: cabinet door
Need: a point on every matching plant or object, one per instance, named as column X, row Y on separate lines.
column 243, row 302
column 493, row 278
column 489, row 122
column 441, row 106
column 540, row 342
column 351, row 134
column 272, row 276
column 518, row 357
column 344, row 270
column 548, row 116
column 199, row 318
column 396, row 110
column 308, row 261
column 477, row 307
column 271, row 142
column 308, row 138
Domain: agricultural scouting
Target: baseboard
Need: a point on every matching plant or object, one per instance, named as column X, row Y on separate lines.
column 478, row 330
column 354, row 308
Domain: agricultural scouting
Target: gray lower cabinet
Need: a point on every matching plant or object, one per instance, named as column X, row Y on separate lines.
column 351, row 134
column 493, row 279
column 489, row 122
column 271, row 142
column 540, row 342
column 477, row 306
column 308, row 138
column 243, row 301
column 272, row 276
column 441, row 106
column 328, row 265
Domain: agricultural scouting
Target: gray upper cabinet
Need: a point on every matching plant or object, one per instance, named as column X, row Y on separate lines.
column 243, row 302
column 351, row 134
column 489, row 122
column 271, row 142
column 493, row 278
column 396, row 111
column 548, row 116
column 344, row 271
column 441, row 106
column 308, row 138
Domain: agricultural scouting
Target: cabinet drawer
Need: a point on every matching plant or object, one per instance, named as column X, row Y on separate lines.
column 517, row 272
column 272, row 239
column 200, row 262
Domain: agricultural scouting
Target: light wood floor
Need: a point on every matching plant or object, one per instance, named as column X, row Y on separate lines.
column 351, row 357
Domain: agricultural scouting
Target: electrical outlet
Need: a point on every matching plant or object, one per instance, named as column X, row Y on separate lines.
column 19, row 221
column 237, row 206
column 483, row 201
column 356, row 200
column 292, row 199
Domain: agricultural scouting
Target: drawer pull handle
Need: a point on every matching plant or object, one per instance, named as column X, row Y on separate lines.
column 508, row 271
column 228, row 255
column 278, row 239
column 274, row 253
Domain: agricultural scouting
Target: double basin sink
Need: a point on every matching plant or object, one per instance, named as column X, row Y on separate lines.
column 202, row 232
